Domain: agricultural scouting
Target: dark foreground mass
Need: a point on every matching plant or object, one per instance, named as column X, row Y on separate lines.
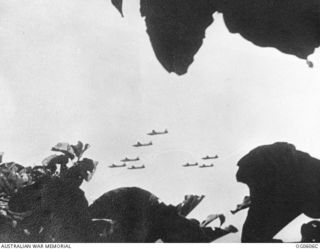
column 284, row 183
column 46, row 204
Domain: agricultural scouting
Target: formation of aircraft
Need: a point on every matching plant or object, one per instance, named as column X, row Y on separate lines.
column 210, row 157
column 139, row 144
column 117, row 166
column 207, row 157
column 190, row 164
column 153, row 132
column 128, row 159
column 206, row 166
column 136, row 167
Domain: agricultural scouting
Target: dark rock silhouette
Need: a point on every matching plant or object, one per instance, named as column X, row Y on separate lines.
column 283, row 182
column 177, row 27
column 138, row 216
column 310, row 232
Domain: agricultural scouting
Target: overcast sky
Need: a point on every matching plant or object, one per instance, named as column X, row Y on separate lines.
column 75, row 70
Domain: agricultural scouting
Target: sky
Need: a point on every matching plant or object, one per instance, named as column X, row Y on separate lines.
column 75, row 70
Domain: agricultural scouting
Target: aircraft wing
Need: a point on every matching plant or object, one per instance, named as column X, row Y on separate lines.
column 203, row 166
column 206, row 166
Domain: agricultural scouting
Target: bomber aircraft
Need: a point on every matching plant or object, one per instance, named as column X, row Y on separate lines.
column 136, row 167
column 153, row 132
column 139, row 144
column 206, row 166
column 210, row 157
column 117, row 166
column 128, row 159
column 190, row 164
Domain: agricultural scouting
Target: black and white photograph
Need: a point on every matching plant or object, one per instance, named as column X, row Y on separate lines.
column 159, row 121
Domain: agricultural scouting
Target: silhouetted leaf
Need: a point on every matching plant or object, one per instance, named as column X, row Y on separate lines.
column 46, row 161
column 231, row 229
column 118, row 5
column 12, row 177
column 64, row 148
column 176, row 29
column 88, row 168
column 213, row 217
column 189, row 203
column 79, row 149
column 50, row 163
column 245, row 204
column 86, row 147
column 291, row 26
